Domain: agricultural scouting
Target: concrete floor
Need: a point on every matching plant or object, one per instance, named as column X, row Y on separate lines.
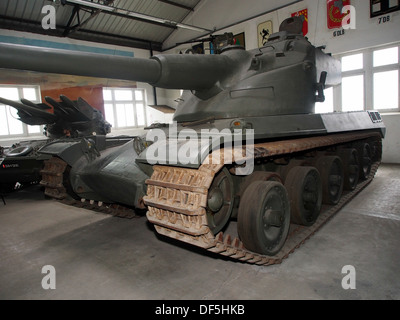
column 101, row 257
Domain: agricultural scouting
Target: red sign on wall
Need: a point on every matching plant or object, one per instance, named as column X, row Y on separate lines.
column 304, row 15
column 335, row 15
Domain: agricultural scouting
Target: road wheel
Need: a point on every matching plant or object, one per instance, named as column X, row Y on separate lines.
column 264, row 217
column 332, row 176
column 351, row 168
column 365, row 160
column 304, row 187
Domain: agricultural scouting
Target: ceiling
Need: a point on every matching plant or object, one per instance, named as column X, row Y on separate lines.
column 146, row 24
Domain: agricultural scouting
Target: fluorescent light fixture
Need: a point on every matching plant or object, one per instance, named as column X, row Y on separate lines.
column 132, row 14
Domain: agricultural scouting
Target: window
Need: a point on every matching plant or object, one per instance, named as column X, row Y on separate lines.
column 125, row 108
column 386, row 90
column 353, row 62
column 353, row 76
column 370, row 81
column 9, row 123
column 327, row 105
column 353, row 93
column 386, row 78
column 386, row 56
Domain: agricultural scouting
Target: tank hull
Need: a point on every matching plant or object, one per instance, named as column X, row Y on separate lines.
column 95, row 168
column 265, row 128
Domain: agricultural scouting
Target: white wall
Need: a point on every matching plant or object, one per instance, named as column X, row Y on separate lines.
column 391, row 144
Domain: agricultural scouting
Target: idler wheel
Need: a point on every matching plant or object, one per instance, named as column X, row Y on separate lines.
column 264, row 217
column 332, row 176
column 351, row 168
column 220, row 201
column 304, row 187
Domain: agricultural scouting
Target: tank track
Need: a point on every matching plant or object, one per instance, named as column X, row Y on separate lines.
column 53, row 179
column 177, row 200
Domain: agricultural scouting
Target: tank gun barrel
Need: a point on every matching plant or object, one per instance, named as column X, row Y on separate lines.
column 192, row 72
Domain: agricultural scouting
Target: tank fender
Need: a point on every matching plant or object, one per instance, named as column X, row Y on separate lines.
column 69, row 151
column 189, row 154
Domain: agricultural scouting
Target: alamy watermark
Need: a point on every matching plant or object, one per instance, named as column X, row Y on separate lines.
column 349, row 20
column 349, row 280
column 49, row 20
column 49, row 280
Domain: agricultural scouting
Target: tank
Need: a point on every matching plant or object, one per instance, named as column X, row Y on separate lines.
column 20, row 164
column 248, row 170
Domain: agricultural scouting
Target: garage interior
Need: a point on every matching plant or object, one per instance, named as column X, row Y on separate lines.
column 100, row 256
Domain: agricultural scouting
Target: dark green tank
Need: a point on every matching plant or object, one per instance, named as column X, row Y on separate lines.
column 302, row 166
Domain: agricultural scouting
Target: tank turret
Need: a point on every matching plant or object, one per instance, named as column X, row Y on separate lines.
column 269, row 81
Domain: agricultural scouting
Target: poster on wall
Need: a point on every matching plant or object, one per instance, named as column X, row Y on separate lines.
column 303, row 14
column 239, row 40
column 264, row 30
column 335, row 15
column 381, row 7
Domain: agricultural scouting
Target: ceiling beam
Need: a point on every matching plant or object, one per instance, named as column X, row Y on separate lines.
column 177, row 5
column 235, row 23
column 68, row 28
column 136, row 15
column 80, row 25
column 117, row 14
